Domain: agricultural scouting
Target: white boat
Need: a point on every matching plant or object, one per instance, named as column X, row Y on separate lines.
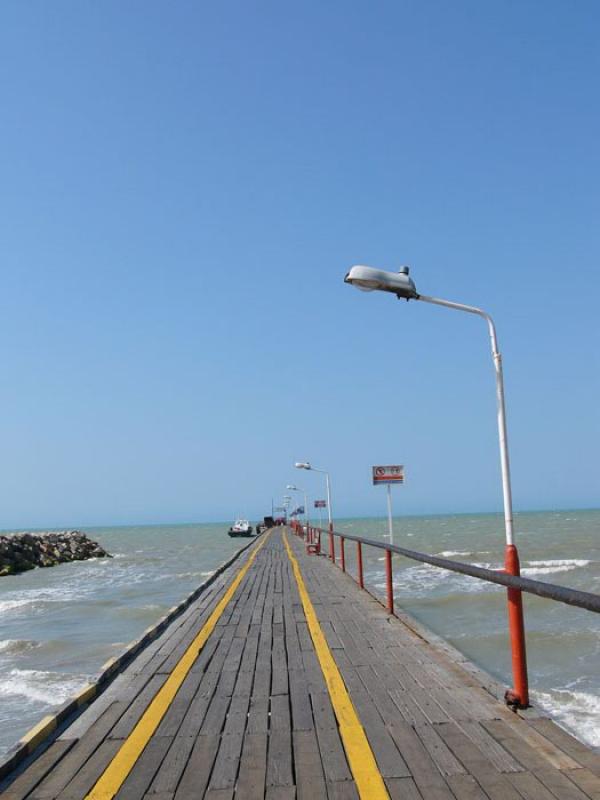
column 241, row 527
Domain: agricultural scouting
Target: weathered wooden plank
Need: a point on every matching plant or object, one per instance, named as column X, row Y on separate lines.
column 253, row 767
column 167, row 778
column 197, row 770
column 258, row 715
column 89, row 773
column 494, row 783
column 422, row 767
column 279, row 759
column 226, row 764
column 310, row 778
column 559, row 784
column 498, row 755
column 280, row 793
column 586, row 780
column 56, row 780
column 441, row 755
column 526, row 744
column 567, row 743
column 141, row 776
column 465, row 787
column 402, row 789
column 37, row 771
column 342, row 790
column 529, row 787
column 134, row 712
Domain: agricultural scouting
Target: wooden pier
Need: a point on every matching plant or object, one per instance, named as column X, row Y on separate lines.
column 284, row 680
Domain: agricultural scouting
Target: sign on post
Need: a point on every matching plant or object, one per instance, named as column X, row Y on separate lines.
column 393, row 473
column 388, row 475
column 320, row 504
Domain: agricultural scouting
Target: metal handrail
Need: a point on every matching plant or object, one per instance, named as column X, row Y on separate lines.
column 550, row 591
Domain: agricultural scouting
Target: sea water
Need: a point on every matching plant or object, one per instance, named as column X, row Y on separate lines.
column 59, row 625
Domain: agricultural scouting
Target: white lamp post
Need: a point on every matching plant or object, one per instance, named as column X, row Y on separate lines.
column 307, row 465
column 301, row 491
column 287, row 500
column 399, row 283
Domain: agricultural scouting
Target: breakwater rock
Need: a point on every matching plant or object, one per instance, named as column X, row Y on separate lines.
column 22, row 551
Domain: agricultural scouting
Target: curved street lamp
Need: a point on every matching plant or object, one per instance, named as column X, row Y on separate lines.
column 309, row 466
column 293, row 488
column 400, row 283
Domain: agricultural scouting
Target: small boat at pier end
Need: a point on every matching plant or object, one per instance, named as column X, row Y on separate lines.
column 241, row 527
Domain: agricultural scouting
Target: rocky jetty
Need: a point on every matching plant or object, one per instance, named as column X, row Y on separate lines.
column 22, row 551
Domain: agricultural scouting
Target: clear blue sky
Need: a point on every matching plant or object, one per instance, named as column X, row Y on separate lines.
column 184, row 186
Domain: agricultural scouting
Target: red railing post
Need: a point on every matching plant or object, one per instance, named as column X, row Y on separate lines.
column 388, row 581
column 361, row 580
column 519, row 695
column 331, row 545
column 342, row 554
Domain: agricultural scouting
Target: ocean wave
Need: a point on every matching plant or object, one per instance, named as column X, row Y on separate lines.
column 198, row 574
column 10, row 605
column 578, row 711
column 50, row 688
column 425, row 580
column 553, row 565
column 39, row 598
column 15, row 646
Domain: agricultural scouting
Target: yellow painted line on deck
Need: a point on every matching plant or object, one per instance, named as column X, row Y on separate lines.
column 119, row 768
column 362, row 762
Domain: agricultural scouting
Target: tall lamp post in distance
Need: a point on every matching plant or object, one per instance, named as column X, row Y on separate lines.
column 399, row 283
column 287, row 501
column 309, row 466
column 293, row 488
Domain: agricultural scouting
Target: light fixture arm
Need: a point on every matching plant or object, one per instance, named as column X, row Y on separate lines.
column 502, row 431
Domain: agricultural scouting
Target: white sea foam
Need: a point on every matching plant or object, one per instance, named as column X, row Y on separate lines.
column 10, row 605
column 12, row 646
column 578, row 711
column 554, row 565
column 561, row 562
column 51, row 688
column 450, row 553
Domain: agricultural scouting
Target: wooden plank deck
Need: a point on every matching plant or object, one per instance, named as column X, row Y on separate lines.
column 254, row 717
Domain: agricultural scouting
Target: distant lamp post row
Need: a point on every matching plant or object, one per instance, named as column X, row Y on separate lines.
column 399, row 283
column 293, row 488
column 309, row 466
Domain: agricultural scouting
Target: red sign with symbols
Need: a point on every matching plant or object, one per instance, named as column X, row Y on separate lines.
column 391, row 473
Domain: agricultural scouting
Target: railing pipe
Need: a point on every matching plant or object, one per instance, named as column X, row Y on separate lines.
column 342, row 554
column 562, row 594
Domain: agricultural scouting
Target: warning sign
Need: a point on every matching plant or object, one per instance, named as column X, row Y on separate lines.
column 391, row 473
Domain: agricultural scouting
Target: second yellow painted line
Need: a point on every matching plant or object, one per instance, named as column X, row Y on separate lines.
column 369, row 783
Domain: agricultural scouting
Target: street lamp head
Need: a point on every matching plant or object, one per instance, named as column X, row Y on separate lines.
column 369, row 279
column 302, row 465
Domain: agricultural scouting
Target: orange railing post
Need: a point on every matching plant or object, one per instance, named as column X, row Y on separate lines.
column 361, row 580
column 388, row 582
column 519, row 695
